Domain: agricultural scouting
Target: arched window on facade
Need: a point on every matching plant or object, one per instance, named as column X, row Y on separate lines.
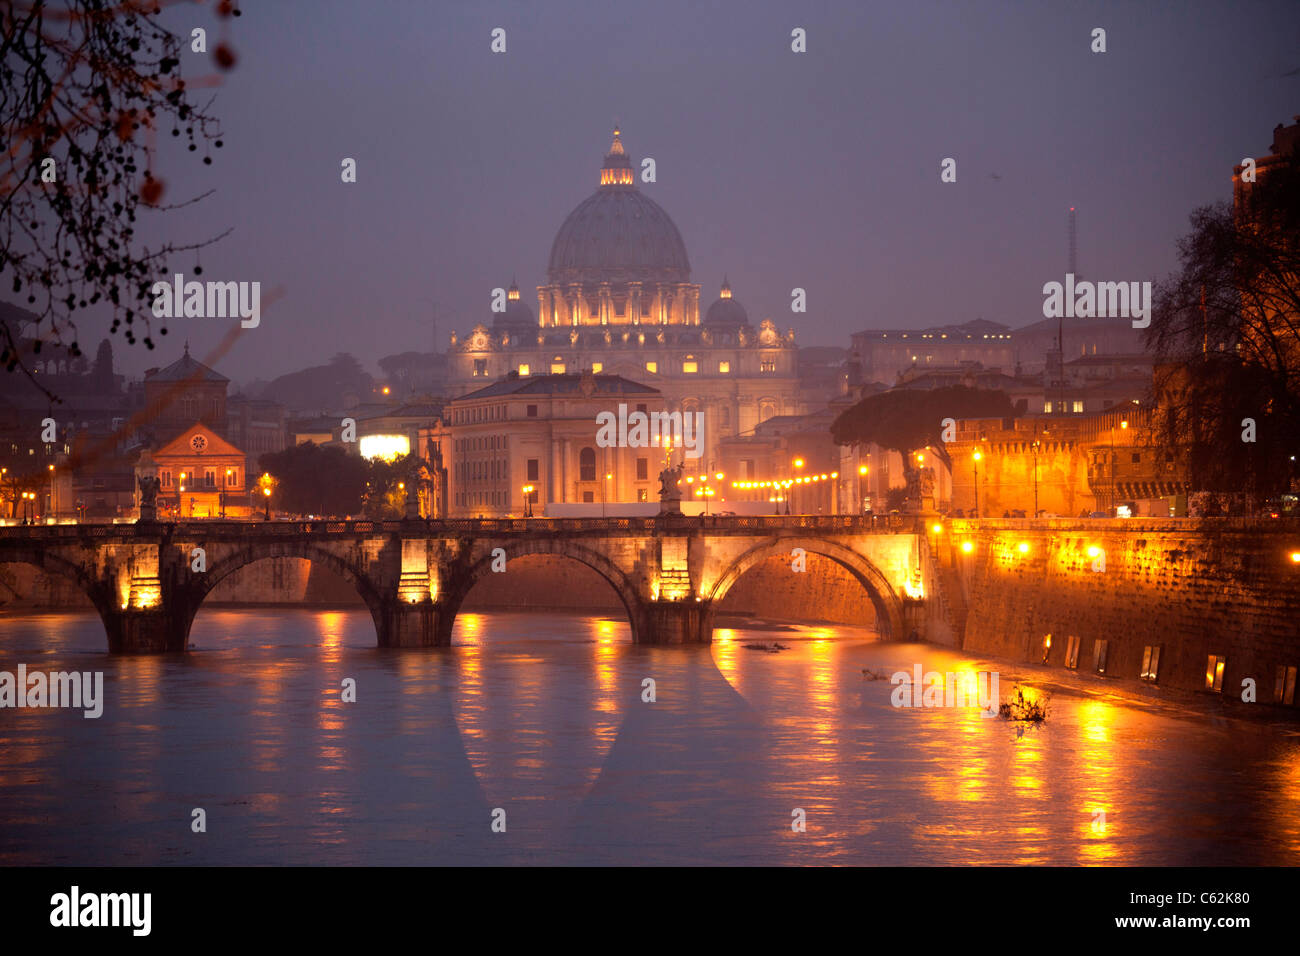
column 587, row 464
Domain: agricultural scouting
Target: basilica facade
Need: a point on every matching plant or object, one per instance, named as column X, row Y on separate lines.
column 619, row 300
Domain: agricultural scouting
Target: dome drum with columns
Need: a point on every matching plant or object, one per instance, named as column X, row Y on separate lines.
column 618, row 259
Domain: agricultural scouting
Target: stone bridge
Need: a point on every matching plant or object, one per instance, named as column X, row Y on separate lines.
column 148, row 580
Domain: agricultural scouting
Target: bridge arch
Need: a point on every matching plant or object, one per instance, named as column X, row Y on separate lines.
column 51, row 563
column 463, row 579
column 889, row 609
column 201, row 585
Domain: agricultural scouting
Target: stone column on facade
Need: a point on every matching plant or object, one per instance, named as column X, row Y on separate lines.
column 575, row 303
column 551, row 471
column 634, row 302
column 606, row 304
column 564, row 469
column 543, row 305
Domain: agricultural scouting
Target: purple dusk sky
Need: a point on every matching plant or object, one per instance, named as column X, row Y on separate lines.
column 818, row 170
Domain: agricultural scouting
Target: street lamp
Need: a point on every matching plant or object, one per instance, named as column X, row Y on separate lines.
column 603, row 485
column 976, row 461
column 528, row 501
column 705, row 492
column 266, row 483
column 798, row 464
column 222, row 496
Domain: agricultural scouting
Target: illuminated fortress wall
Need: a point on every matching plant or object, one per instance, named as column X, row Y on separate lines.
column 1224, row 587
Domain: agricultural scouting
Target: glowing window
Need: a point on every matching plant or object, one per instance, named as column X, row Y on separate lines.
column 386, row 447
column 652, row 366
column 724, row 367
column 1214, row 673
column 597, row 367
column 557, row 368
column 524, row 369
column 690, row 368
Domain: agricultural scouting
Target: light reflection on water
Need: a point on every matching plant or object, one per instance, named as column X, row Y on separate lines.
column 542, row 716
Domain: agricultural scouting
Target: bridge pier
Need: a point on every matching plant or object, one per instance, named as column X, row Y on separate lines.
column 674, row 622
column 410, row 624
column 151, row 631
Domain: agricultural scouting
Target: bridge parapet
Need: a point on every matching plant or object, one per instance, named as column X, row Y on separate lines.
column 478, row 527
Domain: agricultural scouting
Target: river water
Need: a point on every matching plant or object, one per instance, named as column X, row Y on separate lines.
column 538, row 720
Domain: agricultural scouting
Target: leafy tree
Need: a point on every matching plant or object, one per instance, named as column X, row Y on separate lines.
column 320, row 386
column 86, row 86
column 316, row 479
column 895, row 499
column 906, row 419
column 1226, row 328
column 21, row 475
column 385, row 498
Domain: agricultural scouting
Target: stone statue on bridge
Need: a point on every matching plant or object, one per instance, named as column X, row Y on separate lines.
column 670, row 492
column 926, row 482
column 149, row 485
column 419, row 484
column 920, row 488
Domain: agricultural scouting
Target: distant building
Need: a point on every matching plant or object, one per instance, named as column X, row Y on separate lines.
column 201, row 475
column 1282, row 152
column 540, row 431
column 789, row 462
column 393, row 430
column 881, row 355
column 320, row 430
column 1024, row 391
column 257, row 426
column 185, row 392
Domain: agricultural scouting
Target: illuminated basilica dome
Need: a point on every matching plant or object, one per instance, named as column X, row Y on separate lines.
column 618, row 259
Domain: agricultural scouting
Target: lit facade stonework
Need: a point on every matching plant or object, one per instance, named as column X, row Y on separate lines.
column 619, row 301
column 201, row 475
column 540, row 431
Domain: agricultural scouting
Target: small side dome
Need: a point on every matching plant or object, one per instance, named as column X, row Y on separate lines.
column 517, row 317
column 726, row 312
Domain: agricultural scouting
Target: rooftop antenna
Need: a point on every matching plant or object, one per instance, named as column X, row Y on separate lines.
column 1074, row 244
column 1072, row 264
